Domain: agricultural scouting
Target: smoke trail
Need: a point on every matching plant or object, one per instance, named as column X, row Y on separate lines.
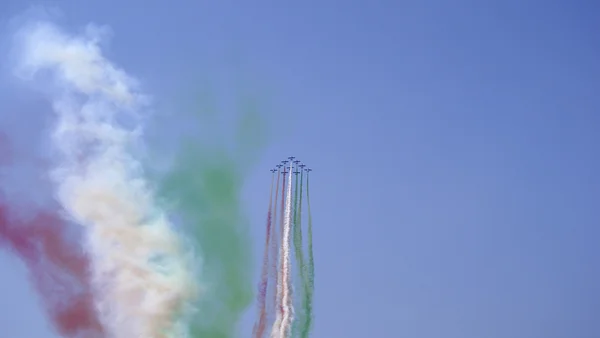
column 297, row 238
column 310, row 273
column 139, row 271
column 259, row 328
column 205, row 185
column 275, row 250
column 301, row 321
column 58, row 270
column 279, row 288
column 57, row 266
column 205, row 189
column 286, row 298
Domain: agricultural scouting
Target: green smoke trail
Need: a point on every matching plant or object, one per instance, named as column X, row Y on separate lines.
column 301, row 315
column 205, row 184
column 310, row 270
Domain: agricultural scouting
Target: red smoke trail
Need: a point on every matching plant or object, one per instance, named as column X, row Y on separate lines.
column 280, row 281
column 274, row 243
column 262, row 292
column 58, row 267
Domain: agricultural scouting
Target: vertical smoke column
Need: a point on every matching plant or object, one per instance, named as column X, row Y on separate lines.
column 310, row 273
column 205, row 184
column 275, row 330
column 275, row 254
column 275, row 251
column 280, row 256
column 300, row 322
column 205, row 188
column 139, row 270
column 297, row 239
column 286, row 299
column 259, row 327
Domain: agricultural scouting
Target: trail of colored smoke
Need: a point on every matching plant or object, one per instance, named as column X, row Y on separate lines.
column 139, row 270
column 279, row 289
column 58, row 268
column 310, row 273
column 206, row 190
column 205, row 185
column 297, row 235
column 58, row 271
column 275, row 240
column 301, row 321
column 286, row 299
column 259, row 328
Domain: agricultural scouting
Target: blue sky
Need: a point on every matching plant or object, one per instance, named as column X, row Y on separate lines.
column 455, row 148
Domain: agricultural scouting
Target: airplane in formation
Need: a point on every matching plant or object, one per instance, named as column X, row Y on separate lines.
column 298, row 169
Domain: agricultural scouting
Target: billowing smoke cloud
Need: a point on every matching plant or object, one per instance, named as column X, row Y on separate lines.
column 140, row 271
column 58, row 268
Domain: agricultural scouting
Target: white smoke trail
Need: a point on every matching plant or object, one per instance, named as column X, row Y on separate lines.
column 140, row 272
column 288, row 310
column 275, row 330
column 282, row 326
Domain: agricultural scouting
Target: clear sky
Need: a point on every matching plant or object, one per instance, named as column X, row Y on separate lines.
column 454, row 145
